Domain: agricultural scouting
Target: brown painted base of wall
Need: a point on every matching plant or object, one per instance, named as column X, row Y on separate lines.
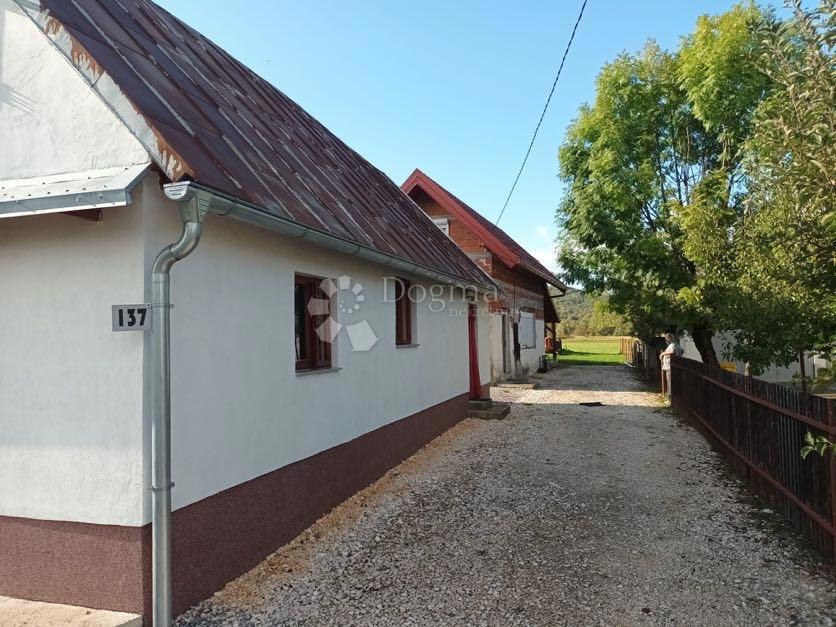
column 214, row 540
column 99, row 566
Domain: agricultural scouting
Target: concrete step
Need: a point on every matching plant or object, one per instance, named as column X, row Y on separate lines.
column 516, row 385
column 19, row 612
column 479, row 403
column 497, row 411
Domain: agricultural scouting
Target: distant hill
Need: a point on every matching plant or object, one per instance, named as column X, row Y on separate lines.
column 581, row 314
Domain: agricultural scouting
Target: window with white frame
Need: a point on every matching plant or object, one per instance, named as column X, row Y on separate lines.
column 443, row 224
column 526, row 329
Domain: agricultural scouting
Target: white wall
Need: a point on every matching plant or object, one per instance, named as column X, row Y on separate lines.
column 774, row 374
column 70, row 388
column 74, row 429
column 496, row 348
column 75, row 443
column 529, row 357
column 51, row 122
column 238, row 408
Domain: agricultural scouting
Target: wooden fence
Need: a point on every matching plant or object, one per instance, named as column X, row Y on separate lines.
column 760, row 427
column 642, row 356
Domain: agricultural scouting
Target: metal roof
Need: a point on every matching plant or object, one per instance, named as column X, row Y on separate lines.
column 204, row 116
column 497, row 240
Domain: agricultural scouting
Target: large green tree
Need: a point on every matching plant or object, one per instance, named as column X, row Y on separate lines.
column 785, row 253
column 657, row 153
column 764, row 250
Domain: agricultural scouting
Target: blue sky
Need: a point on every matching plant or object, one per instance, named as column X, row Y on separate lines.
column 454, row 88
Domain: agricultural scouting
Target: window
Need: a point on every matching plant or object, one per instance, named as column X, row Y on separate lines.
column 443, row 224
column 403, row 313
column 312, row 308
column 526, row 329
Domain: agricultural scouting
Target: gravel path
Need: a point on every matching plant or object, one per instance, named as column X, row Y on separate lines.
column 560, row 514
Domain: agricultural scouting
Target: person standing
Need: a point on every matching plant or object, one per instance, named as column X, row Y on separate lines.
column 666, row 361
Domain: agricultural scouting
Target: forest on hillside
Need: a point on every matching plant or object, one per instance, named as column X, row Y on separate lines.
column 582, row 314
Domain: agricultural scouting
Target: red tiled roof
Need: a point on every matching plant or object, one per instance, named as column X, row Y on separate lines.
column 497, row 240
column 204, row 116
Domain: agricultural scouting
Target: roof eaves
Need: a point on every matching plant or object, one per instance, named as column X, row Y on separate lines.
column 548, row 277
column 451, row 204
column 224, row 204
column 442, row 197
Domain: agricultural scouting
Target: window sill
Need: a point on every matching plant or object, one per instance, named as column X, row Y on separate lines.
column 303, row 373
column 407, row 345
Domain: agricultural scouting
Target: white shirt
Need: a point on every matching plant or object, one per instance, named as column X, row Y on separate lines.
column 666, row 359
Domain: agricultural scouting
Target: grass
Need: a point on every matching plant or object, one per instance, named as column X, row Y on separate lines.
column 590, row 351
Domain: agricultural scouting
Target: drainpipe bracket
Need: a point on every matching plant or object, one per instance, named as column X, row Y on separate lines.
column 165, row 489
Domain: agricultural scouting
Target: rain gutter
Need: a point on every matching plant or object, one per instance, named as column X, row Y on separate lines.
column 212, row 201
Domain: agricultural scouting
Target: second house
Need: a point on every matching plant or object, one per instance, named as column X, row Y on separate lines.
column 518, row 318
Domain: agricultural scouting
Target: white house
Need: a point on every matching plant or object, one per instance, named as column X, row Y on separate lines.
column 123, row 130
column 773, row 374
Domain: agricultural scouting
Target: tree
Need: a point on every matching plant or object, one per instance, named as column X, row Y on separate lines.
column 656, row 154
column 785, row 254
column 581, row 314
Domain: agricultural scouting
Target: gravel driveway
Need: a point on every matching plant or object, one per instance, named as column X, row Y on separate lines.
column 560, row 514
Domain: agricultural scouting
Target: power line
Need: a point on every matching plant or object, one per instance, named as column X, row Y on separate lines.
column 542, row 115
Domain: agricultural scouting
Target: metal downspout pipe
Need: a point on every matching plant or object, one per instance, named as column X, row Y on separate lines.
column 160, row 396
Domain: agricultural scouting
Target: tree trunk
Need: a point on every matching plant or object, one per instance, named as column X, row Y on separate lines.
column 702, row 340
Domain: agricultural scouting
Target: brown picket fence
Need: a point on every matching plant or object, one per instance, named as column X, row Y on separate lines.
column 760, row 427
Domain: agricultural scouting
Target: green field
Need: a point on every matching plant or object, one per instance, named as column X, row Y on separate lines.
column 590, row 351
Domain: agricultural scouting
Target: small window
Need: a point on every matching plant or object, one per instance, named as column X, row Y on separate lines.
column 443, row 224
column 403, row 313
column 312, row 308
column 527, row 329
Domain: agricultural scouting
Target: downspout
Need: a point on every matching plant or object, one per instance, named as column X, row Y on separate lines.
column 159, row 376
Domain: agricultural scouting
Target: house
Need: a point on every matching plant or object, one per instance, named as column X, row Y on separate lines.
column 299, row 325
column 813, row 362
column 517, row 318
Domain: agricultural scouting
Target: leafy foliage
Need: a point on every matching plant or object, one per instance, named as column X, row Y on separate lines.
column 581, row 314
column 657, row 153
column 700, row 185
column 785, row 257
column 816, row 444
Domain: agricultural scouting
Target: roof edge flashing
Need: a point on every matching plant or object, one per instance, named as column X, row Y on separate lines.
column 94, row 189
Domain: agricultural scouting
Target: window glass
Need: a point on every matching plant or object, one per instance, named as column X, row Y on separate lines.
column 311, row 310
column 403, row 313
